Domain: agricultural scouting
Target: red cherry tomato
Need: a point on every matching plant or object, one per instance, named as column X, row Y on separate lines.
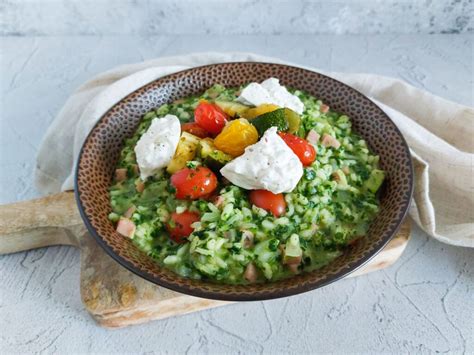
column 301, row 147
column 180, row 226
column 195, row 129
column 210, row 117
column 274, row 203
column 192, row 184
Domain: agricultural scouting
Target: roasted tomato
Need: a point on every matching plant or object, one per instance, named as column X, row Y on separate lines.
column 301, row 147
column 210, row 117
column 192, row 184
column 236, row 136
column 179, row 226
column 195, row 129
column 274, row 203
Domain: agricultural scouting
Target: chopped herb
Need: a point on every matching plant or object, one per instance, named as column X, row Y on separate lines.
column 309, row 174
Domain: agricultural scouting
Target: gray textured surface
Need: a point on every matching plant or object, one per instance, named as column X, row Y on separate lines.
column 422, row 304
column 144, row 17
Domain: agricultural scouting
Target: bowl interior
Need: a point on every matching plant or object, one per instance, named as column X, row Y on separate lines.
column 101, row 149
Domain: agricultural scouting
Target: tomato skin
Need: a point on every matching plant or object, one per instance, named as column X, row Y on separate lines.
column 274, row 203
column 181, row 227
column 195, row 129
column 192, row 184
column 210, row 117
column 301, row 147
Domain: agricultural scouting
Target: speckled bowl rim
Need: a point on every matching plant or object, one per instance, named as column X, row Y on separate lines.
column 245, row 296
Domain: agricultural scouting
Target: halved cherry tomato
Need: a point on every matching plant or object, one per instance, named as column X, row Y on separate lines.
column 210, row 117
column 301, row 147
column 274, row 203
column 179, row 227
column 192, row 184
column 195, row 129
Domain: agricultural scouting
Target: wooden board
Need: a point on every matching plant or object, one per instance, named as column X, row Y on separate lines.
column 112, row 295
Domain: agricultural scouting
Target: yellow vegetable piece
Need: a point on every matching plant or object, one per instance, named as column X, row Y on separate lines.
column 259, row 110
column 236, row 136
column 232, row 108
column 293, row 120
column 185, row 151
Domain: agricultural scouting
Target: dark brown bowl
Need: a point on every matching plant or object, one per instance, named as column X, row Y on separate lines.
column 101, row 149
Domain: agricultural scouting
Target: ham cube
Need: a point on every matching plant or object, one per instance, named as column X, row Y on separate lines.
column 120, row 174
column 126, row 227
column 248, row 238
column 140, row 186
column 330, row 141
column 218, row 201
column 129, row 213
column 251, row 273
column 313, row 137
column 293, row 268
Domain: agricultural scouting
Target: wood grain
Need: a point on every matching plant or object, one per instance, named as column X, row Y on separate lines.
column 114, row 296
column 51, row 220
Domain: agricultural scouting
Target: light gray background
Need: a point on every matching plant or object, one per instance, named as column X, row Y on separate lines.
column 148, row 17
column 422, row 304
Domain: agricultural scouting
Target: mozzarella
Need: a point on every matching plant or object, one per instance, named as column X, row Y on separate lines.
column 268, row 164
column 156, row 147
column 254, row 94
column 270, row 92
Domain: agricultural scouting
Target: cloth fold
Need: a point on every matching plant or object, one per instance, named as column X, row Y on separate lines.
column 440, row 134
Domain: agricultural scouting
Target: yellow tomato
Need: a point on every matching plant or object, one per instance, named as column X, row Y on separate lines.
column 259, row 110
column 236, row 136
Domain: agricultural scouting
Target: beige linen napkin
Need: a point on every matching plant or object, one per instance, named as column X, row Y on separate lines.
column 439, row 132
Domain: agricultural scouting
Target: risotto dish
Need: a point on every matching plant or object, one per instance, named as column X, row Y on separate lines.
column 245, row 185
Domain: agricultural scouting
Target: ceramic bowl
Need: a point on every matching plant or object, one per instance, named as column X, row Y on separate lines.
column 101, row 149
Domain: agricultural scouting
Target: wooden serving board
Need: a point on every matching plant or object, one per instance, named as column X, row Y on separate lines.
column 114, row 296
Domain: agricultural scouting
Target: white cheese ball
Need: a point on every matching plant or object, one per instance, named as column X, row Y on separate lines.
column 156, row 147
column 268, row 164
column 270, row 92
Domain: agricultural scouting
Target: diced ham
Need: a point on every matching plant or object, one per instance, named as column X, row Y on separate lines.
column 218, row 200
column 324, row 108
column 313, row 137
column 247, row 239
column 251, row 273
column 292, row 260
column 293, row 268
column 126, row 227
column 130, row 212
column 346, row 170
column 330, row 141
column 140, row 186
column 120, row 174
